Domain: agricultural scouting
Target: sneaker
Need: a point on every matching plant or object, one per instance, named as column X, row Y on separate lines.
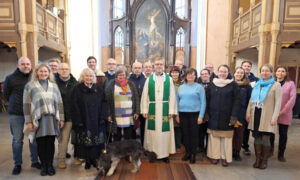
column 17, row 170
column 36, row 165
column 62, row 165
column 247, row 152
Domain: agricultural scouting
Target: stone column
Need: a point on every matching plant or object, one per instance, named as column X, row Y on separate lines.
column 275, row 28
column 22, row 28
column 262, row 33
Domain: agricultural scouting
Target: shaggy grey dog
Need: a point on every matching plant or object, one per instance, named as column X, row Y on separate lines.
column 109, row 160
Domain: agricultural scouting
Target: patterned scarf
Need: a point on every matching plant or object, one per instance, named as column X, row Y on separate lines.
column 123, row 84
column 260, row 91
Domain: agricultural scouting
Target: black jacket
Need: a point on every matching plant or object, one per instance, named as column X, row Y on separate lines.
column 89, row 109
column 66, row 88
column 13, row 91
column 222, row 103
column 108, row 76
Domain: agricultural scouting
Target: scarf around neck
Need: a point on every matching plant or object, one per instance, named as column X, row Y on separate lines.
column 123, row 85
column 221, row 82
column 260, row 91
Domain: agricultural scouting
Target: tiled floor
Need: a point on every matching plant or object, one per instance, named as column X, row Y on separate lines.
column 236, row 170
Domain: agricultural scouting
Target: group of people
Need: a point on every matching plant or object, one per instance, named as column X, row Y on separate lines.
column 211, row 114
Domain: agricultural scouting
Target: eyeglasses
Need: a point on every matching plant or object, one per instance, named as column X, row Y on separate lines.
column 111, row 64
column 64, row 69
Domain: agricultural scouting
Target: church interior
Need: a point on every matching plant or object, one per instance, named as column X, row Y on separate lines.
column 196, row 32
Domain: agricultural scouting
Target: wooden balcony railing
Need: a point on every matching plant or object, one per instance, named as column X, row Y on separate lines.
column 51, row 27
column 245, row 27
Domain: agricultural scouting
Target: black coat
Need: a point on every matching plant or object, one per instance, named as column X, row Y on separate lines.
column 13, row 91
column 66, row 88
column 245, row 94
column 222, row 103
column 89, row 112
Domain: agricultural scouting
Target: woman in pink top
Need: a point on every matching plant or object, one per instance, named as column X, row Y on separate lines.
column 286, row 110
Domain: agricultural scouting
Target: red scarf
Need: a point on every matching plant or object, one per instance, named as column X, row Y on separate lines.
column 123, row 84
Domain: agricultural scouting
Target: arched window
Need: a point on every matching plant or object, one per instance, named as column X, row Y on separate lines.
column 180, row 38
column 118, row 9
column 181, row 8
column 119, row 45
column 119, row 37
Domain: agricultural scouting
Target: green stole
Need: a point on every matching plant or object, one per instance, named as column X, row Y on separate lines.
column 166, row 95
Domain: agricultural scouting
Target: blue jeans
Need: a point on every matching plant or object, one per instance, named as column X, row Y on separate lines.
column 16, row 128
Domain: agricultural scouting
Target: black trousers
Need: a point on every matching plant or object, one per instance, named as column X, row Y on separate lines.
column 127, row 133
column 46, row 148
column 190, row 131
column 92, row 153
column 283, row 130
column 142, row 128
column 203, row 137
column 246, row 137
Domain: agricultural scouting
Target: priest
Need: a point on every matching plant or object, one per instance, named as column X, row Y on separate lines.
column 158, row 105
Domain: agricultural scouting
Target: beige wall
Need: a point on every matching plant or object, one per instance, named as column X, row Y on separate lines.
column 217, row 31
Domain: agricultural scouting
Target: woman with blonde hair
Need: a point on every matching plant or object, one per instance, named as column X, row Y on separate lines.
column 89, row 113
column 262, row 114
column 44, row 115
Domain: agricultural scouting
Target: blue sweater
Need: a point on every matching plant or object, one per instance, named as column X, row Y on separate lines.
column 191, row 98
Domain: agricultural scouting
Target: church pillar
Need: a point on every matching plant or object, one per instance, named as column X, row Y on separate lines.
column 262, row 34
column 275, row 28
column 22, row 28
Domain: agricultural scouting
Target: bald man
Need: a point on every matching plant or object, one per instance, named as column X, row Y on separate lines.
column 111, row 68
column 148, row 69
column 65, row 82
column 13, row 91
column 138, row 78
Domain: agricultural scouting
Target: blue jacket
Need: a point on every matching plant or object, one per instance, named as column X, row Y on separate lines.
column 245, row 94
column 252, row 78
column 139, row 83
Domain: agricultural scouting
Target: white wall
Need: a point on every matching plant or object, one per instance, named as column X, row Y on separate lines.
column 84, row 33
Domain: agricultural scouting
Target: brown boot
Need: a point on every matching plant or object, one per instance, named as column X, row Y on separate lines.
column 258, row 154
column 265, row 156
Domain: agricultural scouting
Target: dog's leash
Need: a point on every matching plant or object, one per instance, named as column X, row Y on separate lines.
column 107, row 141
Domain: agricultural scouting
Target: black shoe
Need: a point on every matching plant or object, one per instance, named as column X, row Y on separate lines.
column 94, row 163
column 166, row 160
column 68, row 156
column 237, row 156
column 193, row 158
column 87, row 165
column 186, row 157
column 43, row 170
column 247, row 152
column 36, row 165
column 50, row 170
column 17, row 170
